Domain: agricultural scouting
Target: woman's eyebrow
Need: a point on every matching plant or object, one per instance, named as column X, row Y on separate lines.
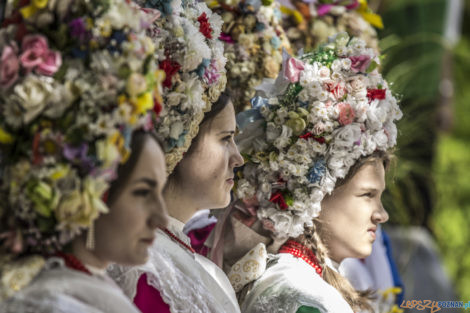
column 231, row 132
column 149, row 181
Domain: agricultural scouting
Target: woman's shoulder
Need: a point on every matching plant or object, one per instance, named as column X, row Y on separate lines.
column 290, row 283
column 60, row 287
column 36, row 300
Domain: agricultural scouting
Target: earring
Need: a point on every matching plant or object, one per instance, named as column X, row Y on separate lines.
column 90, row 238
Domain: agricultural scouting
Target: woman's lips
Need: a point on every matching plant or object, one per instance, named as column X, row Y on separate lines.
column 148, row 241
column 372, row 231
column 230, row 181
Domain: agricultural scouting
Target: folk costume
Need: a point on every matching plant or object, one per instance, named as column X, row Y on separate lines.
column 176, row 279
column 326, row 109
column 77, row 79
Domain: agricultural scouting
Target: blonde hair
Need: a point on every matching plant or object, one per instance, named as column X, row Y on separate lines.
column 358, row 300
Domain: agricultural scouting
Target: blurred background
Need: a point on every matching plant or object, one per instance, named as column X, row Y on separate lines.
column 427, row 57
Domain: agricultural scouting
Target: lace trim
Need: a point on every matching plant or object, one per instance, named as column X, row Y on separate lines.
column 181, row 293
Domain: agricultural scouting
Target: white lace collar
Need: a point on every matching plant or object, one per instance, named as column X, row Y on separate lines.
column 176, row 227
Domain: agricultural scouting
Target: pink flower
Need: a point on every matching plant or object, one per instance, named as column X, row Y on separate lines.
column 346, row 113
column 34, row 47
column 51, row 62
column 293, row 69
column 8, row 67
column 359, row 63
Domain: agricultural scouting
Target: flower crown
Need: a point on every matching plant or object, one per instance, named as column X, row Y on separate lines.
column 192, row 57
column 76, row 79
column 325, row 111
column 308, row 24
column 254, row 40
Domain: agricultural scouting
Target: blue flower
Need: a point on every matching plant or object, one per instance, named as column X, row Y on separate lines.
column 176, row 143
column 275, row 42
column 116, row 39
column 164, row 6
column 259, row 27
column 201, row 69
column 317, row 171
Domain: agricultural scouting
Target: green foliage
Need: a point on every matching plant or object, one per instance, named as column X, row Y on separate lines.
column 413, row 46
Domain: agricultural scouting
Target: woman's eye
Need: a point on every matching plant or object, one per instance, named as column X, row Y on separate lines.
column 141, row 192
column 368, row 195
column 227, row 138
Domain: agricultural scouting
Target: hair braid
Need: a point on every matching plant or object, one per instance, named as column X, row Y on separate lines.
column 358, row 300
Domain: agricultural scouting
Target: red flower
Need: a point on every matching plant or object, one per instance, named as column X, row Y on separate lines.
column 171, row 68
column 310, row 135
column 204, row 26
column 157, row 107
column 373, row 94
column 278, row 198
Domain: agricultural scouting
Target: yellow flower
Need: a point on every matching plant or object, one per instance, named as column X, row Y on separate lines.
column 59, row 172
column 297, row 125
column 33, row 7
column 107, row 151
column 143, row 103
column 5, row 137
column 81, row 207
column 368, row 15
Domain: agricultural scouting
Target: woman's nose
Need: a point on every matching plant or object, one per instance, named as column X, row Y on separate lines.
column 380, row 215
column 236, row 158
column 159, row 214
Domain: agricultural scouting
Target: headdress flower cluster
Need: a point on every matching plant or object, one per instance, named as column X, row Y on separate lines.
column 192, row 57
column 254, row 40
column 310, row 23
column 76, row 79
column 325, row 111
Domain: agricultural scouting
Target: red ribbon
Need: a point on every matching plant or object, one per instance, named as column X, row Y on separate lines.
column 278, row 198
column 310, row 135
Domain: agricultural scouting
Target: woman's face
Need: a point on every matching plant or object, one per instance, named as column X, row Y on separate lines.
column 124, row 234
column 205, row 175
column 350, row 215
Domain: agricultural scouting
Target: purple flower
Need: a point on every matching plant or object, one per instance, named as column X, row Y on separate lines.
column 78, row 29
column 74, row 153
column 78, row 155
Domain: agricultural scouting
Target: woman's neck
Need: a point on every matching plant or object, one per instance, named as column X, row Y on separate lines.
column 86, row 256
column 179, row 205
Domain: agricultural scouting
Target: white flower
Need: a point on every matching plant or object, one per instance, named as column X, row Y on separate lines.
column 32, row 95
column 284, row 139
column 176, row 129
column 344, row 137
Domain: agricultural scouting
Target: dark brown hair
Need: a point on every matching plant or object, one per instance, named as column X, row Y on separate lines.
column 358, row 300
column 125, row 170
column 217, row 107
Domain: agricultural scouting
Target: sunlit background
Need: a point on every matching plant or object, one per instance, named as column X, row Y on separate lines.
column 427, row 57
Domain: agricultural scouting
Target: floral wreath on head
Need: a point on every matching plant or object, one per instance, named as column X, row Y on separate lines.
column 76, row 79
column 310, row 23
column 325, row 110
column 254, row 40
column 192, row 57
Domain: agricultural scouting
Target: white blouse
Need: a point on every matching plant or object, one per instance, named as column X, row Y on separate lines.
column 188, row 282
column 289, row 283
column 59, row 289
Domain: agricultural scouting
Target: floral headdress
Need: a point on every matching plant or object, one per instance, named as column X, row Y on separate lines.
column 76, row 79
column 254, row 40
column 310, row 23
column 192, row 57
column 325, row 111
